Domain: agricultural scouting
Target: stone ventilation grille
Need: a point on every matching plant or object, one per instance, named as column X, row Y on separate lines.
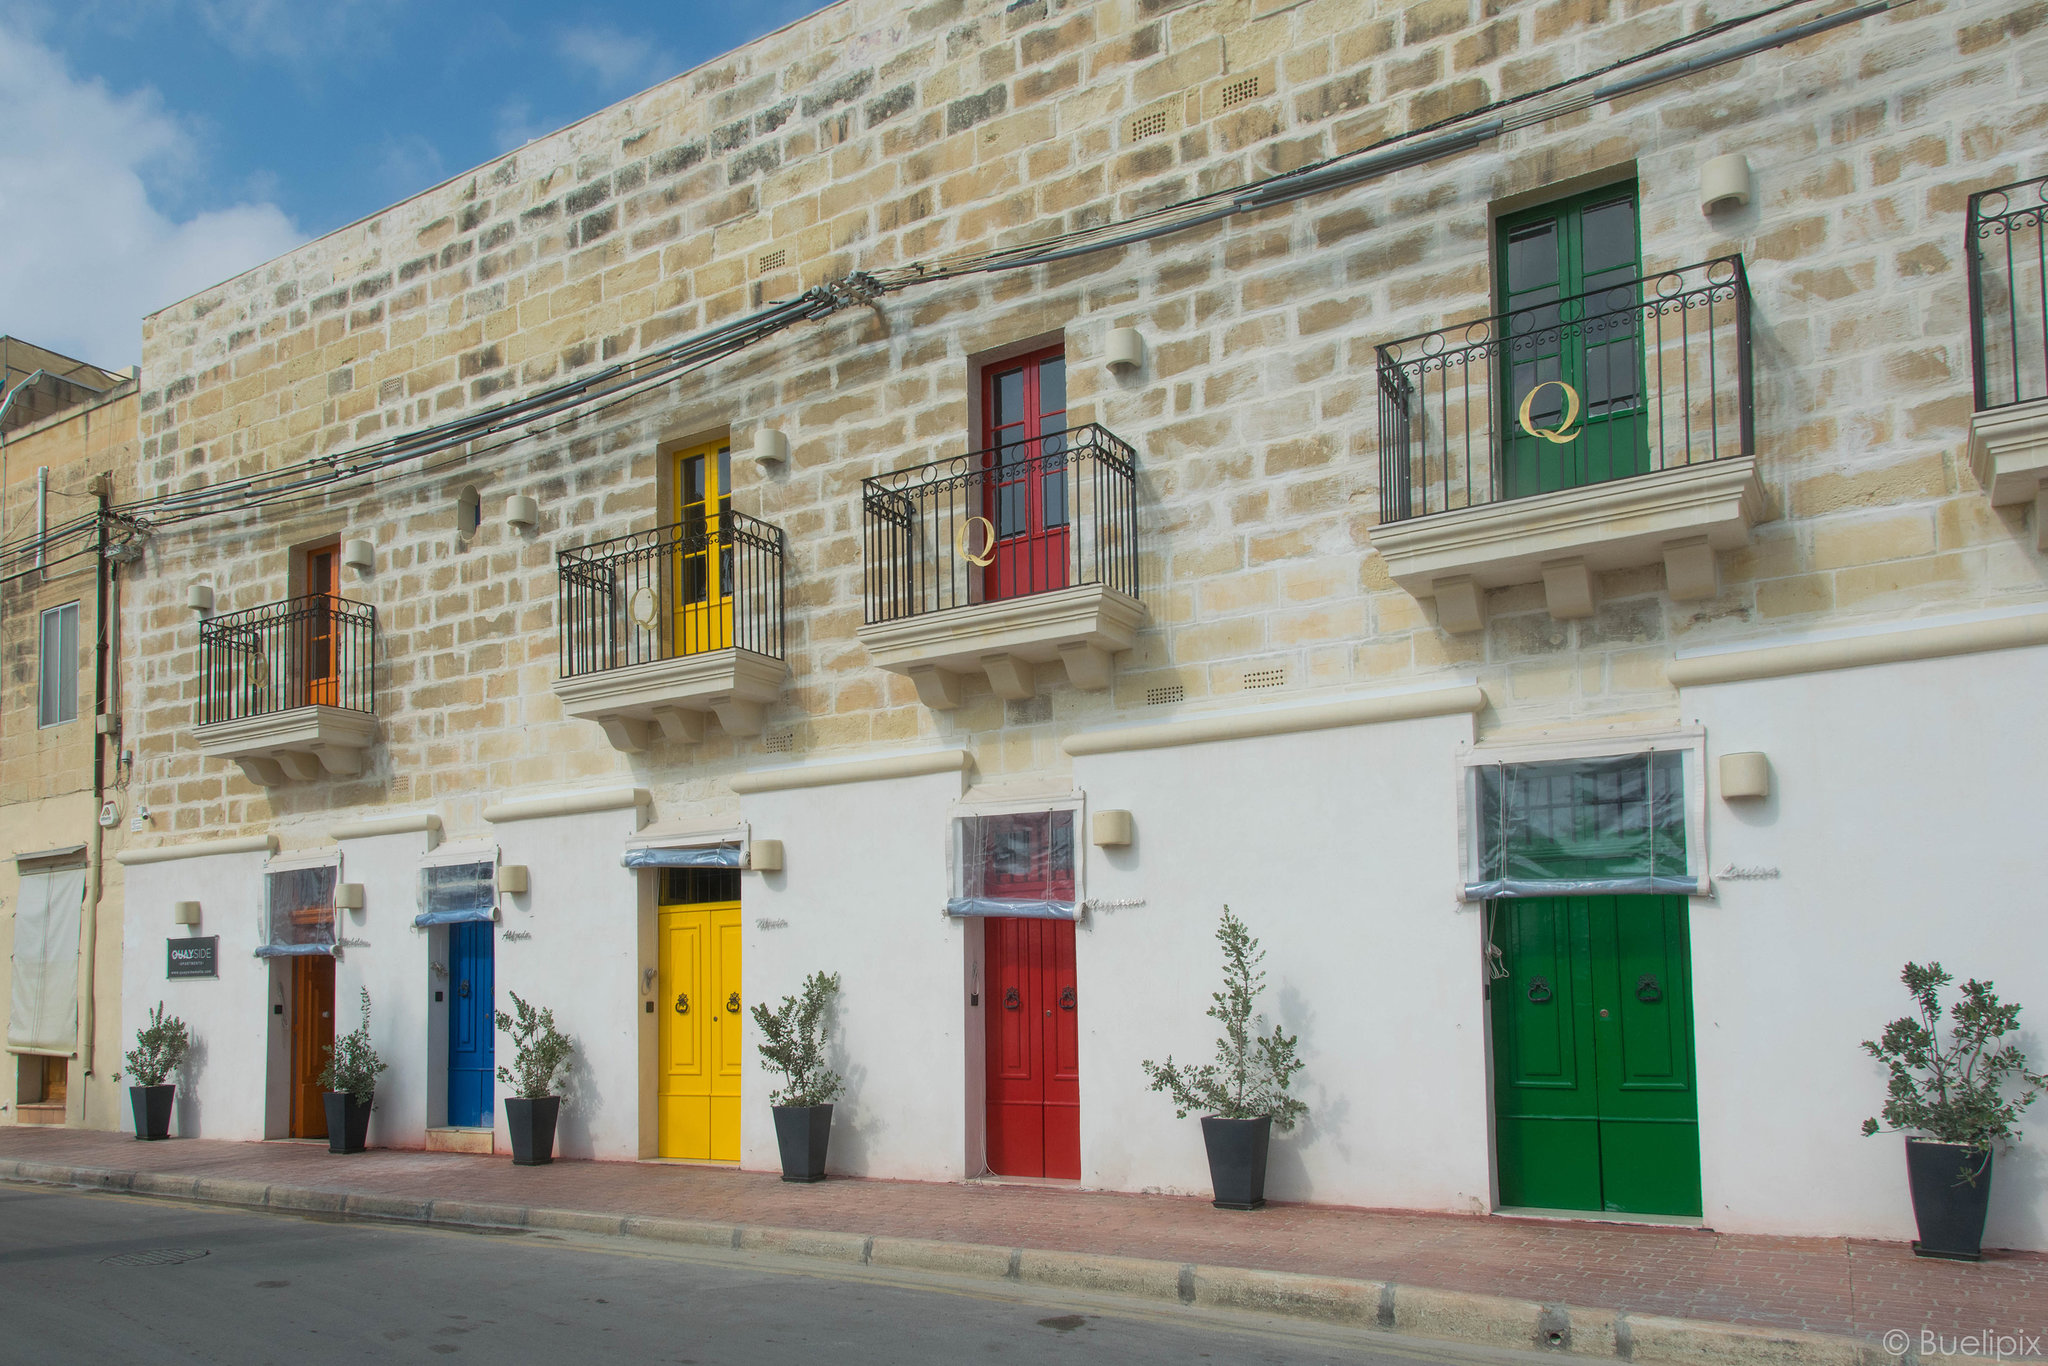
column 391, row 390
column 781, row 742
column 1265, row 678
column 1148, row 125
column 1240, row 92
column 1159, row 697
column 773, row 260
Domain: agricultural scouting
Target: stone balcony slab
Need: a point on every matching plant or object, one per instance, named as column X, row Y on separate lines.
column 2009, row 455
column 676, row 695
column 301, row 743
column 1081, row 627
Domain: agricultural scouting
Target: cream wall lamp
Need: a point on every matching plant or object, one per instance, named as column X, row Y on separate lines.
column 199, row 597
column 184, row 913
column 1725, row 183
column 764, row 856
column 1745, row 777
column 512, row 878
column 770, row 447
column 521, row 510
column 1110, row 829
column 1126, row 349
column 348, row 896
column 360, row 555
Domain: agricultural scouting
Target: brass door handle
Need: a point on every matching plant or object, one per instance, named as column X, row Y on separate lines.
column 682, row 1003
column 1010, row 999
column 1067, row 999
column 732, row 1004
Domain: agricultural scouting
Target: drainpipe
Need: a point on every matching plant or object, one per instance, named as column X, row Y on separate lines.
column 95, row 879
column 42, row 512
column 5, row 404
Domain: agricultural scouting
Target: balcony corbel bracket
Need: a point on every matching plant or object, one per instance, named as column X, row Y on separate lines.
column 1460, row 604
column 937, row 688
column 628, row 734
column 1691, row 571
column 1568, row 589
column 740, row 715
column 1088, row 666
column 1011, row 678
column 260, row 771
column 680, row 726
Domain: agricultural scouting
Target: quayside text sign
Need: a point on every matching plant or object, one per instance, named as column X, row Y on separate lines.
column 194, row 957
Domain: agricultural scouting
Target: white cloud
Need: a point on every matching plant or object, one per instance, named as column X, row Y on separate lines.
column 88, row 249
column 295, row 31
column 617, row 62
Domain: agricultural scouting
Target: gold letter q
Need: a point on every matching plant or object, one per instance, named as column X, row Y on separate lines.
column 1562, row 432
column 960, row 542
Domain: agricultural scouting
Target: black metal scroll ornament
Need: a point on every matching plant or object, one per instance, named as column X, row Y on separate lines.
column 682, row 1003
column 1647, row 990
column 732, row 1004
column 1067, row 999
column 1010, row 1001
column 1539, row 989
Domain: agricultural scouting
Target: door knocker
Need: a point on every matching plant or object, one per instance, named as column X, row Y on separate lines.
column 732, row 1004
column 1067, row 999
column 1539, row 989
column 1010, row 999
column 1647, row 990
column 463, row 991
column 682, row 1003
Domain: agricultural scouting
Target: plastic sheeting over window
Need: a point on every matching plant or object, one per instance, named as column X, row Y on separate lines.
column 42, row 1013
column 699, row 856
column 1018, row 864
column 453, row 892
column 1608, row 826
column 300, row 911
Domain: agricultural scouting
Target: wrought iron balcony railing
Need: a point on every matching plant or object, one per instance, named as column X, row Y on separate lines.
column 675, row 591
column 1622, row 381
column 1054, row 511
column 313, row 651
column 2008, row 293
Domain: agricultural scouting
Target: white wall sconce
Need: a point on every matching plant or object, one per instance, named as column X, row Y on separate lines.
column 770, row 447
column 199, row 597
column 1110, row 829
column 523, row 511
column 512, row 878
column 184, row 913
column 764, row 856
column 1126, row 349
column 348, row 896
column 1745, row 777
column 359, row 555
column 1725, row 183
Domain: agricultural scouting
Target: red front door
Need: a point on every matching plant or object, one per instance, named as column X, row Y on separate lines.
column 1024, row 481
column 1034, row 1086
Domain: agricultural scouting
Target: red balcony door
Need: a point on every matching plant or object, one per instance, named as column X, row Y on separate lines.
column 1024, row 474
column 323, row 585
column 1034, row 1074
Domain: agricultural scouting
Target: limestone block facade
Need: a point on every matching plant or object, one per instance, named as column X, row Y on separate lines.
column 1258, row 707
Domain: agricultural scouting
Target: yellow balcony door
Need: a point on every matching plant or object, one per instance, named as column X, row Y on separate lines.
column 700, row 1010
column 704, row 550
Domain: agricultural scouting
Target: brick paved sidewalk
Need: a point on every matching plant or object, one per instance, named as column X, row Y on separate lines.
column 1826, row 1285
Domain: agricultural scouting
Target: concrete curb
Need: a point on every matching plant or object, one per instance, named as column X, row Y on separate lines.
column 1412, row 1311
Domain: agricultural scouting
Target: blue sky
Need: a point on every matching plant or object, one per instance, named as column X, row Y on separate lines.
column 155, row 147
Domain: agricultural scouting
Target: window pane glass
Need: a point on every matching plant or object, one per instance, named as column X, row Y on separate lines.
column 1009, row 398
column 1028, row 856
column 1532, row 257
column 1583, row 819
column 1052, row 390
column 458, row 887
column 1607, row 238
column 302, row 906
column 57, row 667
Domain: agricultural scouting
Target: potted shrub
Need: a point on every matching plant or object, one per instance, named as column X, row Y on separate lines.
column 1951, row 1100
column 539, row 1053
column 160, row 1049
column 793, row 1046
column 1244, row 1092
column 350, row 1079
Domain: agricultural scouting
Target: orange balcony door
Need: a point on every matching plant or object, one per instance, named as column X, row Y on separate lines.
column 323, row 586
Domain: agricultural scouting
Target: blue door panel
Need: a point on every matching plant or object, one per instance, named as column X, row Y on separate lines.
column 472, row 1028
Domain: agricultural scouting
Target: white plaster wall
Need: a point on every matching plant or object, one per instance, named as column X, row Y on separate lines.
column 1338, row 849
column 863, row 890
column 223, row 1091
column 384, row 952
column 581, row 958
column 1905, row 822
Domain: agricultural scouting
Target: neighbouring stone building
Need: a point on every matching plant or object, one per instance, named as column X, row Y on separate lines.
column 1571, row 580
column 67, row 448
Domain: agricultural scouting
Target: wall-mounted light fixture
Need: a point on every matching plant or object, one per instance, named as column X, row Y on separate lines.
column 359, row 555
column 1745, row 777
column 770, row 447
column 1725, row 183
column 184, row 913
column 764, row 856
column 1111, row 829
column 512, row 877
column 348, row 896
column 1126, row 349
column 522, row 510
column 199, row 597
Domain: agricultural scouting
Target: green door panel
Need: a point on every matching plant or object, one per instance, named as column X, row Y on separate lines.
column 1593, row 1055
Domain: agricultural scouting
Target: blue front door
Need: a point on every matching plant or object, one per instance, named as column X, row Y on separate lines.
column 472, row 1028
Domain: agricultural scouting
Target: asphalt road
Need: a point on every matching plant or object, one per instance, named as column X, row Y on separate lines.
column 87, row 1277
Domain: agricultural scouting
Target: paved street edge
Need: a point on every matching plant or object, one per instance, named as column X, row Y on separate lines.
column 1408, row 1310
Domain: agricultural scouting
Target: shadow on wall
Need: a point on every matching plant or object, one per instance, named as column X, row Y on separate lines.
column 186, row 1108
column 582, row 1103
column 853, row 1129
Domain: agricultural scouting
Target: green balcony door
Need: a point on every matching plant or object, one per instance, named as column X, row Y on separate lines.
column 1593, row 1088
column 1569, row 275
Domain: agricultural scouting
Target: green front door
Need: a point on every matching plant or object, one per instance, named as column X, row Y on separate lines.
column 1592, row 1055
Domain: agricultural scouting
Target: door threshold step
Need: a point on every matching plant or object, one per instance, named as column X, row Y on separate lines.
column 1069, row 1183
column 1602, row 1216
column 729, row 1165
column 454, row 1140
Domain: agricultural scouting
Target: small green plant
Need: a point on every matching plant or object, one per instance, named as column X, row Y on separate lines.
column 160, row 1049
column 352, row 1064
column 1250, row 1075
column 539, row 1050
column 793, row 1043
column 1953, row 1093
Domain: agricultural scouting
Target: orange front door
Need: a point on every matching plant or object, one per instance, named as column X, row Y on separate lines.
column 317, row 628
column 312, row 1041
column 1034, row 1074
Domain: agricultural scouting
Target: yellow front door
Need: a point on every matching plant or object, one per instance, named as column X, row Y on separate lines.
column 704, row 555
column 701, row 1037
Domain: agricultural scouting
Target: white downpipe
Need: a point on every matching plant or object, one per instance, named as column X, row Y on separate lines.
column 42, row 512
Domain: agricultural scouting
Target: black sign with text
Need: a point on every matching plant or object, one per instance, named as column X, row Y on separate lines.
column 194, row 957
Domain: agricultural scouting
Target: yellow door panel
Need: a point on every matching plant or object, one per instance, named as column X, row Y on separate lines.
column 704, row 557
column 700, row 1039
column 728, row 1035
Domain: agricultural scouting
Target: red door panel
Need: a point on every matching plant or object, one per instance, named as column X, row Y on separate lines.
column 1025, row 486
column 1033, row 1075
